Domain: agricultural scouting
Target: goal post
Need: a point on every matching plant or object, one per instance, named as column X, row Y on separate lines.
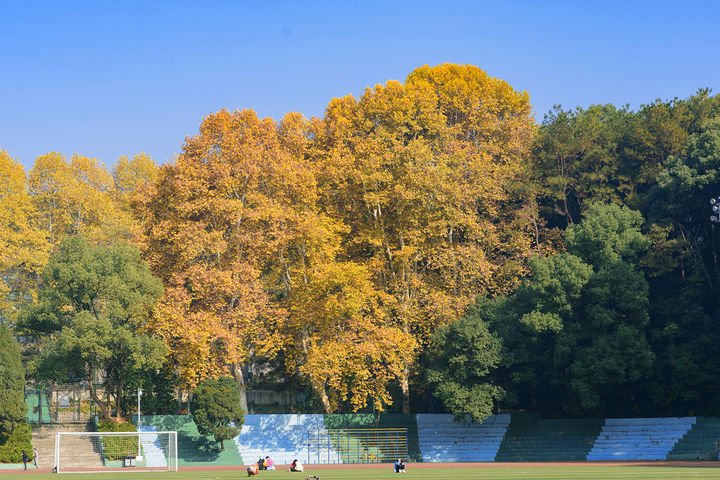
column 117, row 451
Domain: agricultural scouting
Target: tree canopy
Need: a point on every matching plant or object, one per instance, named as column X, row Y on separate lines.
column 12, row 385
column 216, row 409
column 353, row 257
column 92, row 313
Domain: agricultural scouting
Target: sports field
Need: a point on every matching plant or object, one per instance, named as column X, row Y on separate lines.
column 453, row 472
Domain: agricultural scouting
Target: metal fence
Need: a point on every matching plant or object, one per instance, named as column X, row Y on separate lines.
column 359, row 445
column 59, row 405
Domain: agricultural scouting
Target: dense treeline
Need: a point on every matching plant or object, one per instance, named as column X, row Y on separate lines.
column 424, row 246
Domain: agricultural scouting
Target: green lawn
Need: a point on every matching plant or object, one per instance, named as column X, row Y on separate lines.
column 456, row 473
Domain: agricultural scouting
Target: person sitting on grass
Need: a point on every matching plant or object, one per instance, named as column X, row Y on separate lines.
column 296, row 466
column 269, row 464
column 399, row 466
column 253, row 469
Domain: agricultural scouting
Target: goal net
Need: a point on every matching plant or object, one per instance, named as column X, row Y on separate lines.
column 120, row 451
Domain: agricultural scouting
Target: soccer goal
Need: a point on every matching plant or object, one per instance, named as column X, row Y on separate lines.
column 119, row 451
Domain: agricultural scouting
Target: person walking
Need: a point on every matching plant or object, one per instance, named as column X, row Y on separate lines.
column 25, row 458
column 35, row 457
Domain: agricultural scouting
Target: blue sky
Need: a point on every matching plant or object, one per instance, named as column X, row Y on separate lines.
column 106, row 79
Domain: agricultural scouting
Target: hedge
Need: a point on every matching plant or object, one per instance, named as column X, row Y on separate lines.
column 116, row 447
column 20, row 439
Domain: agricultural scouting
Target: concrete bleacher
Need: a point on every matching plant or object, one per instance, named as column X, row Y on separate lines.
column 438, row 438
column 193, row 448
column 639, row 438
column 153, row 453
column 281, row 437
column 533, row 439
column 700, row 443
column 442, row 439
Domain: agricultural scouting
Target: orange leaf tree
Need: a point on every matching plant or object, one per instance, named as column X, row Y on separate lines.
column 421, row 173
column 23, row 251
column 251, row 264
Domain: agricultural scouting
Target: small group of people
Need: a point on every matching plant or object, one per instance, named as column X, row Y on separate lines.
column 296, row 466
column 262, row 464
column 266, row 464
column 26, row 459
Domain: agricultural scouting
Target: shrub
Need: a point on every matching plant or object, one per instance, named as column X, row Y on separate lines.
column 20, row 439
column 215, row 406
column 117, row 447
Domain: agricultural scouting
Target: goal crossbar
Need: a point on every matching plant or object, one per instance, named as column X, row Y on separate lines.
column 116, row 451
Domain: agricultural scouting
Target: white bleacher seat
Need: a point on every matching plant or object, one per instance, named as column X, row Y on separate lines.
column 444, row 440
column 281, row 437
column 639, row 438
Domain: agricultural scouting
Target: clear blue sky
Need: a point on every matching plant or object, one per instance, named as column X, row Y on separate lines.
column 108, row 78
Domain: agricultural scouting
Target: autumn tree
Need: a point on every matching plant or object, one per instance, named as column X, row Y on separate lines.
column 77, row 198
column 339, row 336
column 132, row 177
column 235, row 230
column 420, row 172
column 23, row 250
column 213, row 221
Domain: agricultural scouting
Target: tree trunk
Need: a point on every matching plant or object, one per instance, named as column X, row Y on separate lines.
column 118, row 411
column 325, row 401
column 94, row 395
column 237, row 371
column 405, row 388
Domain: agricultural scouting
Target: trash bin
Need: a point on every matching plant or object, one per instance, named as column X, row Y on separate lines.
column 129, row 462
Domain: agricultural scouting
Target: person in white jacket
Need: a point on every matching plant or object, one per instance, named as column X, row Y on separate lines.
column 296, row 466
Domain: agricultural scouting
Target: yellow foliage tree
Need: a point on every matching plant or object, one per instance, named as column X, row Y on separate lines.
column 234, row 224
column 76, row 197
column 23, row 251
column 420, row 172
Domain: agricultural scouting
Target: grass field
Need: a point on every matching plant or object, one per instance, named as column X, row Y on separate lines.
column 569, row 472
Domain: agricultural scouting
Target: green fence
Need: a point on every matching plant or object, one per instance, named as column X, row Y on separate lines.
column 357, row 445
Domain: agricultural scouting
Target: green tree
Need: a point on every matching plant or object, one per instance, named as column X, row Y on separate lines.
column 576, row 333
column 92, row 309
column 576, row 154
column 460, row 359
column 215, row 405
column 12, row 385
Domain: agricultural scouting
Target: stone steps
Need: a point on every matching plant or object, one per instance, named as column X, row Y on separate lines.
column 83, row 453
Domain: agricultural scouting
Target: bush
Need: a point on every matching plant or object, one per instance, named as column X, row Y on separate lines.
column 117, row 447
column 12, row 384
column 20, row 439
column 215, row 405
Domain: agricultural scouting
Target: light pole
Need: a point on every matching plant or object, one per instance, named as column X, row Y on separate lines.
column 715, row 202
column 139, row 455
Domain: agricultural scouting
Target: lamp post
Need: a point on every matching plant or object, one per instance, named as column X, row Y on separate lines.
column 139, row 455
column 715, row 203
